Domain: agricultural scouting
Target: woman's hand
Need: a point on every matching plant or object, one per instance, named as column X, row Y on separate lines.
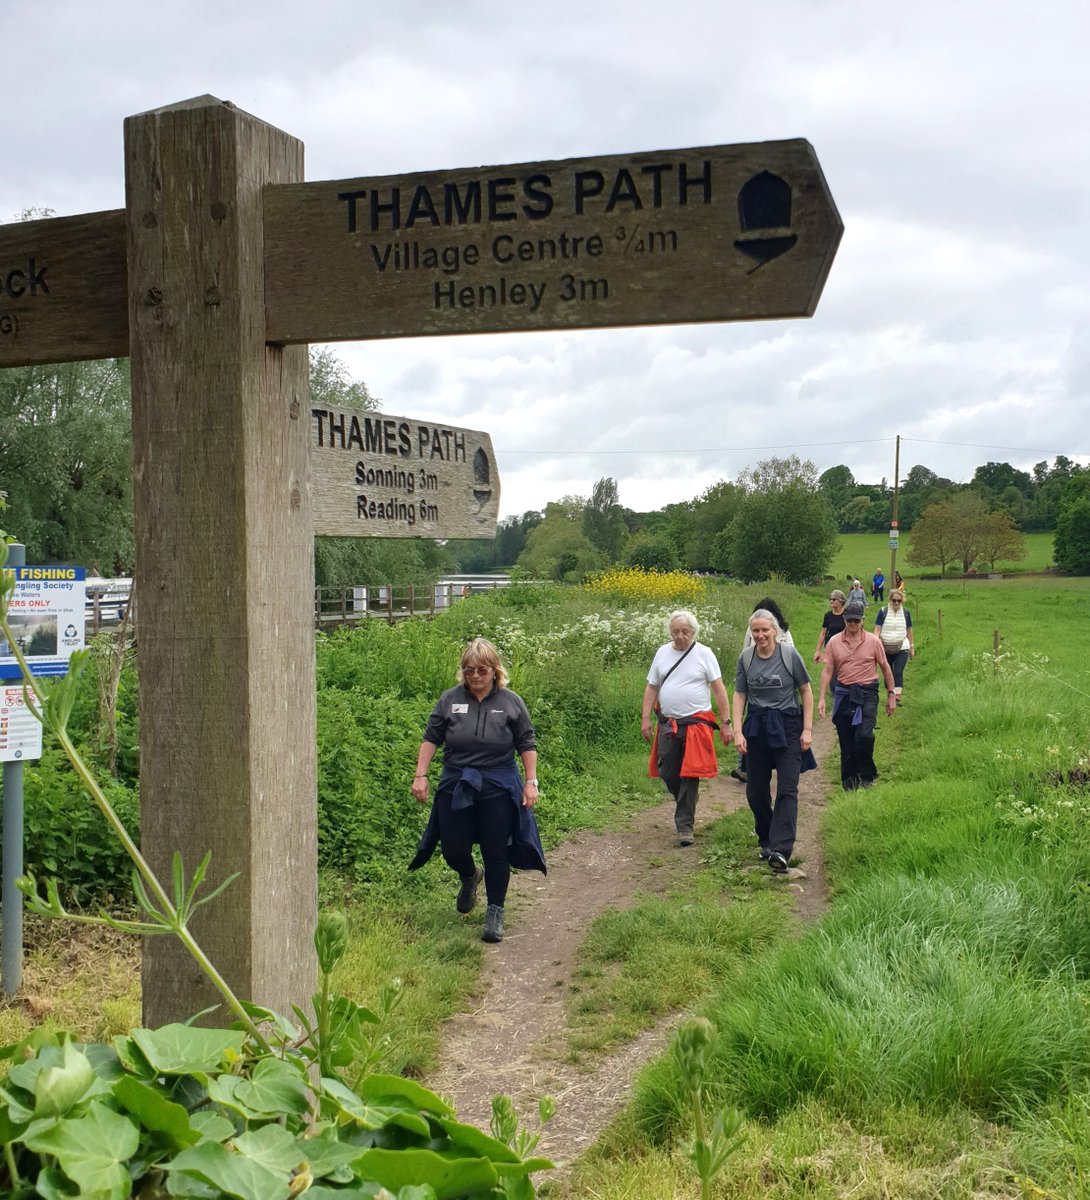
column 530, row 794
column 806, row 739
column 740, row 742
column 419, row 789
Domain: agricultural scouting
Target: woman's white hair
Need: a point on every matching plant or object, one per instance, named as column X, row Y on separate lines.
column 686, row 618
column 762, row 614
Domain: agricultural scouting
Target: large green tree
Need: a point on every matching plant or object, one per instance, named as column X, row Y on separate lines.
column 603, row 519
column 962, row 528
column 558, row 548
column 1071, row 546
column 783, row 526
column 708, row 515
column 66, row 462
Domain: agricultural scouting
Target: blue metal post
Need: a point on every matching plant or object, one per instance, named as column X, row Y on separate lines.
column 11, row 940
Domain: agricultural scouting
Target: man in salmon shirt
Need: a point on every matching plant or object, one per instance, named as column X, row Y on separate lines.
column 856, row 660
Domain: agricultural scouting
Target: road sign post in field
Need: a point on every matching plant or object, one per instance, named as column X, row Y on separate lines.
column 222, row 265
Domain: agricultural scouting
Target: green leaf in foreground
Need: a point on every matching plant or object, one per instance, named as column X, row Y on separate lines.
column 395, row 1169
column 93, row 1151
column 235, row 1175
column 155, row 1112
column 186, row 1050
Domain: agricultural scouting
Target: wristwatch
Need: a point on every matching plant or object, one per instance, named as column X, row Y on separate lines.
column 533, row 781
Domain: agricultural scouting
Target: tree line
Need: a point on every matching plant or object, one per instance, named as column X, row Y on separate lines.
column 782, row 517
column 65, row 464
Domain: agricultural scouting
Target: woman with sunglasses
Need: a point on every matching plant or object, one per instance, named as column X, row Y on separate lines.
column 481, row 798
column 831, row 624
column 894, row 626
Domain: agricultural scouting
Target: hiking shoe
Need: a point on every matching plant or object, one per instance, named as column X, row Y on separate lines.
column 467, row 893
column 766, row 854
column 493, row 924
column 739, row 775
column 684, row 839
column 778, row 863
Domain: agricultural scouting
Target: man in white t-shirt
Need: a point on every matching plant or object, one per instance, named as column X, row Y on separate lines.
column 677, row 713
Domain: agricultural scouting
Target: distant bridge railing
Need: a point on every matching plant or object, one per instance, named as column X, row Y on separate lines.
column 394, row 602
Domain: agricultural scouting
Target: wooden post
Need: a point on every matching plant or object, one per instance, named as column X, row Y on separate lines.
column 224, row 556
column 940, row 623
column 995, row 649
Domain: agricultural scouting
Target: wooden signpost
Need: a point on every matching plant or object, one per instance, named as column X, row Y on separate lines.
column 222, row 265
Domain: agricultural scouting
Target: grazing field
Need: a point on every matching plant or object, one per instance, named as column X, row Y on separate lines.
column 861, row 554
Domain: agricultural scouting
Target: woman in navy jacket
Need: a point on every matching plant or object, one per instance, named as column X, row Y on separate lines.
column 481, row 798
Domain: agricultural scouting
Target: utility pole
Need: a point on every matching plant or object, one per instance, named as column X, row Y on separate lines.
column 894, row 527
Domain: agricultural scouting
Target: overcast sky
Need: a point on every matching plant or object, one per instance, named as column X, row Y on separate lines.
column 954, row 137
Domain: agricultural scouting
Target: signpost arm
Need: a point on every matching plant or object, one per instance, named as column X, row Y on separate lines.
column 11, row 952
column 224, row 556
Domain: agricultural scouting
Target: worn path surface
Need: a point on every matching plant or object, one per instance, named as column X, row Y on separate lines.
column 512, row 1041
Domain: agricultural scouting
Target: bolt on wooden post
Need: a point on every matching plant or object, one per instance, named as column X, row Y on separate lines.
column 224, row 555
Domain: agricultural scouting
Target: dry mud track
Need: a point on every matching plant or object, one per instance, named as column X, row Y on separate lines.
column 512, row 1042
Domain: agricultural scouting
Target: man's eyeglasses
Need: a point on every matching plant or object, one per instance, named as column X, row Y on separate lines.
column 476, row 670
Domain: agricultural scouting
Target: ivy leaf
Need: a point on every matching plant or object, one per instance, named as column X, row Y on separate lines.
column 272, row 1146
column 273, row 1088
column 58, row 1078
column 369, row 1114
column 186, row 1050
column 450, row 1177
column 375, row 1086
column 473, row 1140
column 212, row 1125
column 93, row 1151
column 235, row 1175
column 155, row 1112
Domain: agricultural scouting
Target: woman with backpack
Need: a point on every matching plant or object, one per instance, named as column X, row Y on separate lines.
column 772, row 689
column 894, row 626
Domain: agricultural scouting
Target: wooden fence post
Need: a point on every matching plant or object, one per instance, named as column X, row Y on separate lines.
column 224, row 554
column 939, row 614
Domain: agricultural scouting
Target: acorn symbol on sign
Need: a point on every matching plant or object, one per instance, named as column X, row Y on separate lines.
column 482, row 477
column 764, row 214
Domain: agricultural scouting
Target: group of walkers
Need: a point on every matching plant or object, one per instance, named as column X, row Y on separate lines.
column 771, row 721
column 482, row 799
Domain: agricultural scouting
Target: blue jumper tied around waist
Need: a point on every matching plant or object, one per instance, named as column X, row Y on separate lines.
column 524, row 850
column 767, row 723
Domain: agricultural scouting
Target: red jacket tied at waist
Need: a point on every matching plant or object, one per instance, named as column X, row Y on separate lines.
column 698, row 760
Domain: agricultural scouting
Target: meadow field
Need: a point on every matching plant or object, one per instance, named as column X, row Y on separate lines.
column 861, row 554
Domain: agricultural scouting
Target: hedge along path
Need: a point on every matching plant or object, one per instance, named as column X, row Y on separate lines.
column 513, row 1042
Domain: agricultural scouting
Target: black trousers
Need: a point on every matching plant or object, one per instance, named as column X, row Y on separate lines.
column 775, row 823
column 490, row 824
column 857, row 767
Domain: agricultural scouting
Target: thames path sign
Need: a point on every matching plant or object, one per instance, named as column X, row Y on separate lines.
column 379, row 476
column 720, row 233
column 221, row 266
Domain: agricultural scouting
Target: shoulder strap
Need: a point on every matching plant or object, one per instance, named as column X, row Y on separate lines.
column 676, row 665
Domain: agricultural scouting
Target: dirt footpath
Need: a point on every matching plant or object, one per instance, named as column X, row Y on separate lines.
column 511, row 1042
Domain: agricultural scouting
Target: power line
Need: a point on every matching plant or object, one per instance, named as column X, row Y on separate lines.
column 803, row 446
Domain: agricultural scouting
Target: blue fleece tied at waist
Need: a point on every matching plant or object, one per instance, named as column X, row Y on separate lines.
column 524, row 850
column 767, row 723
column 855, row 694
